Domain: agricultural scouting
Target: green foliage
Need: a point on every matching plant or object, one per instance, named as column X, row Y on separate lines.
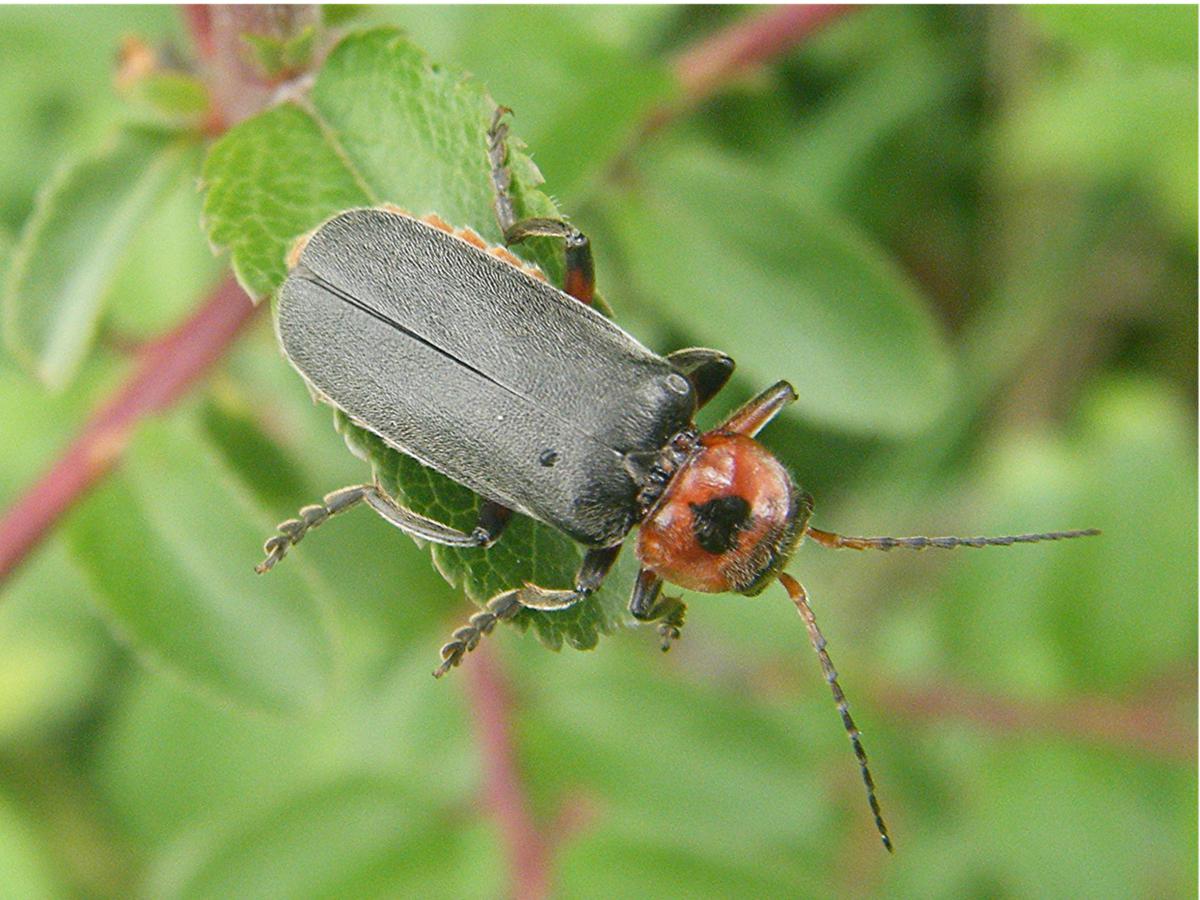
column 181, row 521
column 61, row 271
column 808, row 293
column 968, row 236
column 383, row 127
column 55, row 89
column 280, row 57
column 1159, row 34
column 25, row 863
column 170, row 98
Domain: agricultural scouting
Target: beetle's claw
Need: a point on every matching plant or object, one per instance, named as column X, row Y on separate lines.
column 671, row 623
column 668, row 634
column 275, row 548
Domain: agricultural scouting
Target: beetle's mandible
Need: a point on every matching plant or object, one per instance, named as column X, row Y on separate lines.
column 429, row 338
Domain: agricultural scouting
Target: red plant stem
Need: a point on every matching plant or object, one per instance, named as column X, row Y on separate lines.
column 169, row 366
column 198, row 17
column 1152, row 723
column 712, row 62
column 705, row 67
column 528, row 852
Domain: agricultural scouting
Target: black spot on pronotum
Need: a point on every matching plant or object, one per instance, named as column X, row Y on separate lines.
column 718, row 522
column 548, row 458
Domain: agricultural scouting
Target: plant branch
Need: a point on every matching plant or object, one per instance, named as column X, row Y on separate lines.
column 171, row 364
column 1151, row 723
column 168, row 367
column 527, row 850
column 711, row 64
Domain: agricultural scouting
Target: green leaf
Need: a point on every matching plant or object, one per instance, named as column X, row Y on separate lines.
column 790, row 290
column 1065, row 620
column 280, row 57
column 54, row 87
column 1110, row 125
column 260, row 197
column 170, row 98
column 1153, row 33
column 167, row 546
column 54, row 656
column 354, row 837
column 384, row 125
column 63, row 266
column 905, row 75
column 334, row 15
column 26, row 863
column 578, row 93
column 167, row 268
column 6, row 246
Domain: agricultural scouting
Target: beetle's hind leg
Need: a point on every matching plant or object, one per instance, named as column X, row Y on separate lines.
column 580, row 281
column 592, row 571
column 488, row 528
column 647, row 604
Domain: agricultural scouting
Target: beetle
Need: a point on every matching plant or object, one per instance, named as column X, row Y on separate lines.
column 464, row 357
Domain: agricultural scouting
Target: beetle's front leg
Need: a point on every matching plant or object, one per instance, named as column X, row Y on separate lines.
column 580, row 280
column 488, row 528
column 707, row 370
column 592, row 571
column 647, row 604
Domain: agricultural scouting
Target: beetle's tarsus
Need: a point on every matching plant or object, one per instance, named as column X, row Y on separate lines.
column 466, row 638
column 671, row 622
column 291, row 531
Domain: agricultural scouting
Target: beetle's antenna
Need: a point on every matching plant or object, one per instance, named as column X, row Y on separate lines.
column 800, row 598
column 830, row 539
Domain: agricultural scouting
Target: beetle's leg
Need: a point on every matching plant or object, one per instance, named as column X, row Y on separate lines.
column 592, row 572
column 492, row 519
column 466, row 639
column 647, row 604
column 580, row 280
column 750, row 418
column 506, row 214
column 488, row 527
column 707, row 370
column 291, row 531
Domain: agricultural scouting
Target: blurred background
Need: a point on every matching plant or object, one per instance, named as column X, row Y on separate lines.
column 968, row 237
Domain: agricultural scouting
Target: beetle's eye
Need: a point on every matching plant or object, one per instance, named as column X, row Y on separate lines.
column 718, row 522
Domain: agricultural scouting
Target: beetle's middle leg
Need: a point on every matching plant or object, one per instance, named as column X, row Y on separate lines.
column 580, row 280
column 488, row 528
column 592, row 572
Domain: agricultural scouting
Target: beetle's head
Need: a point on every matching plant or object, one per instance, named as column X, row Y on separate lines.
column 728, row 521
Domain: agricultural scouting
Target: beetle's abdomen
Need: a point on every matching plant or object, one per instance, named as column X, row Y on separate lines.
column 478, row 369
